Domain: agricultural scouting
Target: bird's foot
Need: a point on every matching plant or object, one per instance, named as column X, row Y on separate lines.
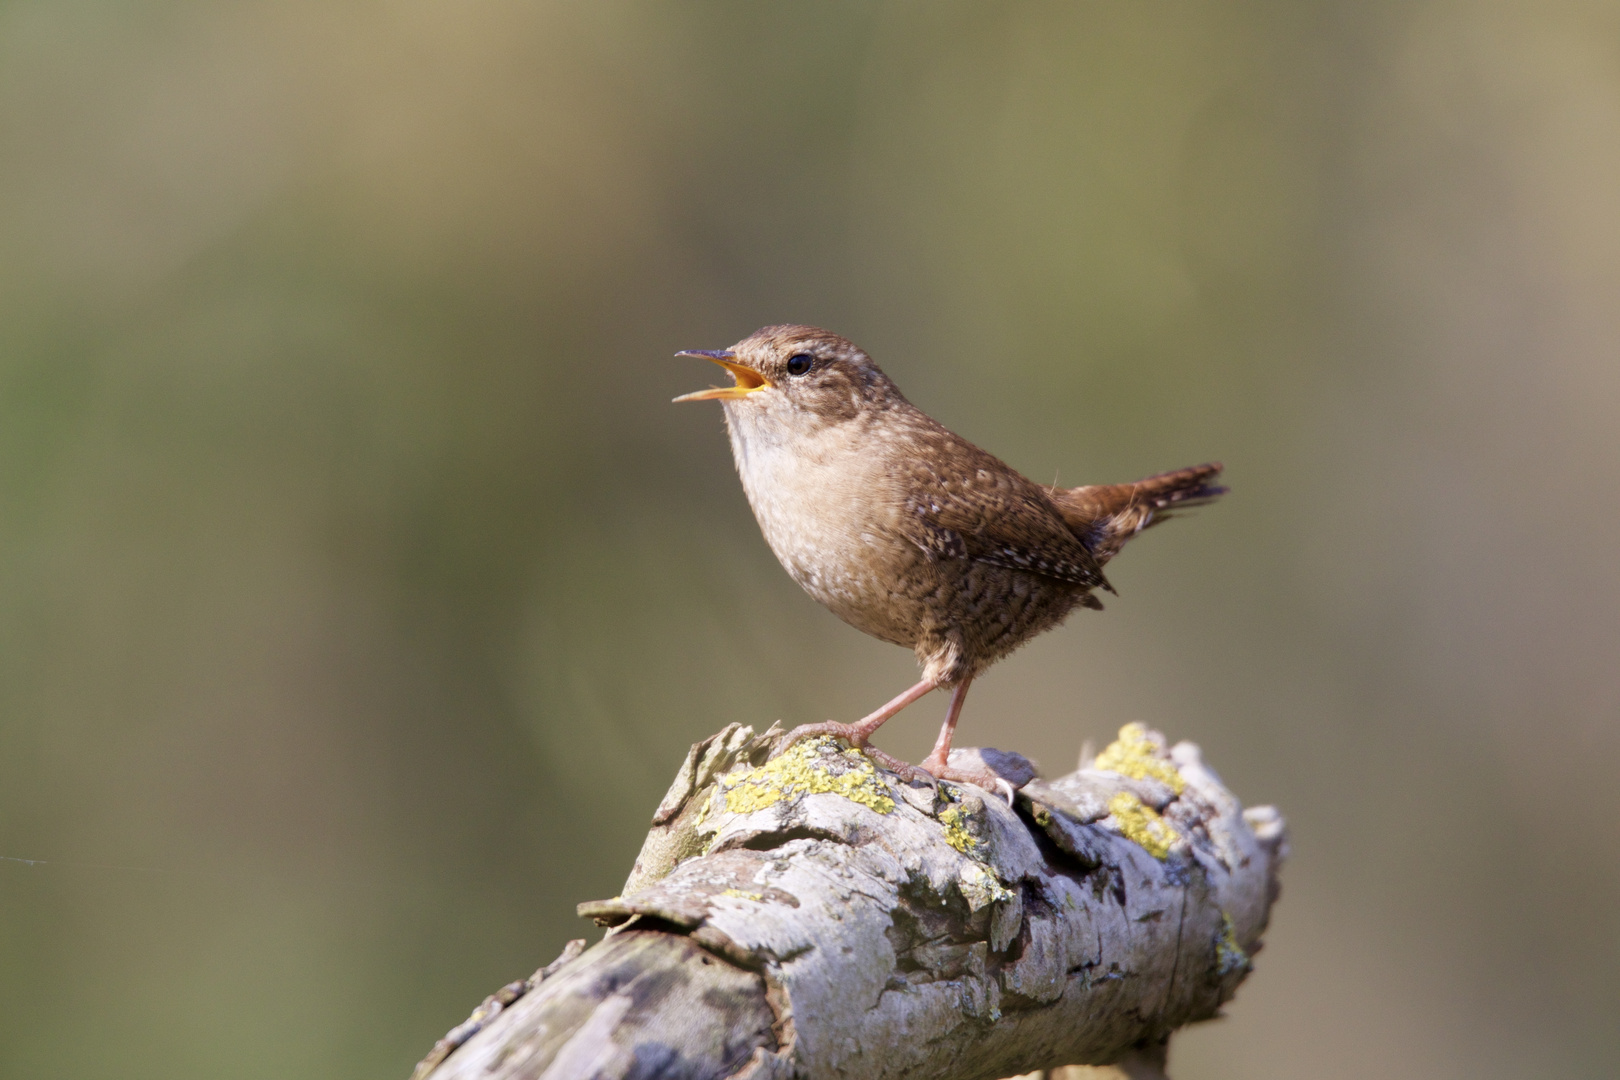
column 982, row 778
column 854, row 734
column 857, row 735
column 911, row 774
column 930, row 772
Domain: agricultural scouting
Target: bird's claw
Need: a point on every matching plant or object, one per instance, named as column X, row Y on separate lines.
column 987, row 780
column 911, row 774
column 915, row 775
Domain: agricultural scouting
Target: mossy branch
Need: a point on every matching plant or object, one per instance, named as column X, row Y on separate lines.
column 810, row 915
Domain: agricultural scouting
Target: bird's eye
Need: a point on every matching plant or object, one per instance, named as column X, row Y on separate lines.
column 800, row 363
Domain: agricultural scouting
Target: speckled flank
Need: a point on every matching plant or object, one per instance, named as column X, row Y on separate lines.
column 1136, row 754
column 760, row 897
column 803, row 770
column 1142, row 824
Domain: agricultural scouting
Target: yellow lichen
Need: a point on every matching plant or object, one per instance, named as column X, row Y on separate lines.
column 1142, row 824
column 977, row 879
column 802, row 770
column 741, row 895
column 955, row 819
column 1135, row 754
column 1229, row 955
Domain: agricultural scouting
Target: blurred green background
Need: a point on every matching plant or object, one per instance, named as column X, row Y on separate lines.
column 360, row 590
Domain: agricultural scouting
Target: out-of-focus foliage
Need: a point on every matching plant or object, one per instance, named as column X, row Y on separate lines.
column 360, row 591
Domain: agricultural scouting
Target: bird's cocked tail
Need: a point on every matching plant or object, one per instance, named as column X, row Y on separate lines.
column 1104, row 516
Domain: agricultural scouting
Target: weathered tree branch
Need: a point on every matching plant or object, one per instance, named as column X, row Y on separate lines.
column 812, row 916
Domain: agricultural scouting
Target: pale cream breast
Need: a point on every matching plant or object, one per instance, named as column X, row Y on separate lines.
column 824, row 508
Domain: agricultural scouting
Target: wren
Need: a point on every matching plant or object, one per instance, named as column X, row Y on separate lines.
column 905, row 529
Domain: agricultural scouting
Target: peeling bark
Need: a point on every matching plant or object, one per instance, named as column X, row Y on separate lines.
column 812, row 916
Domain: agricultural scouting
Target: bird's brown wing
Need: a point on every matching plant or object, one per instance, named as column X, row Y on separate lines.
column 966, row 504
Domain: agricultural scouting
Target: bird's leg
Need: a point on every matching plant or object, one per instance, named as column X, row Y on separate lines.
column 937, row 759
column 937, row 763
column 861, row 730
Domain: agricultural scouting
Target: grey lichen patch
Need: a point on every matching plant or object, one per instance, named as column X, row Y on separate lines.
column 810, row 767
column 980, row 996
column 980, row 886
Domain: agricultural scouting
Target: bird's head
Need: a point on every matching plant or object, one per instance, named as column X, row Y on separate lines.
column 795, row 375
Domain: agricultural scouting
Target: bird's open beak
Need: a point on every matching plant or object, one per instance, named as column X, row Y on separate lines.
column 748, row 380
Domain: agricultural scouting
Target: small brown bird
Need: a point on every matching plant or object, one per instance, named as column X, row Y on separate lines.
column 908, row 531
